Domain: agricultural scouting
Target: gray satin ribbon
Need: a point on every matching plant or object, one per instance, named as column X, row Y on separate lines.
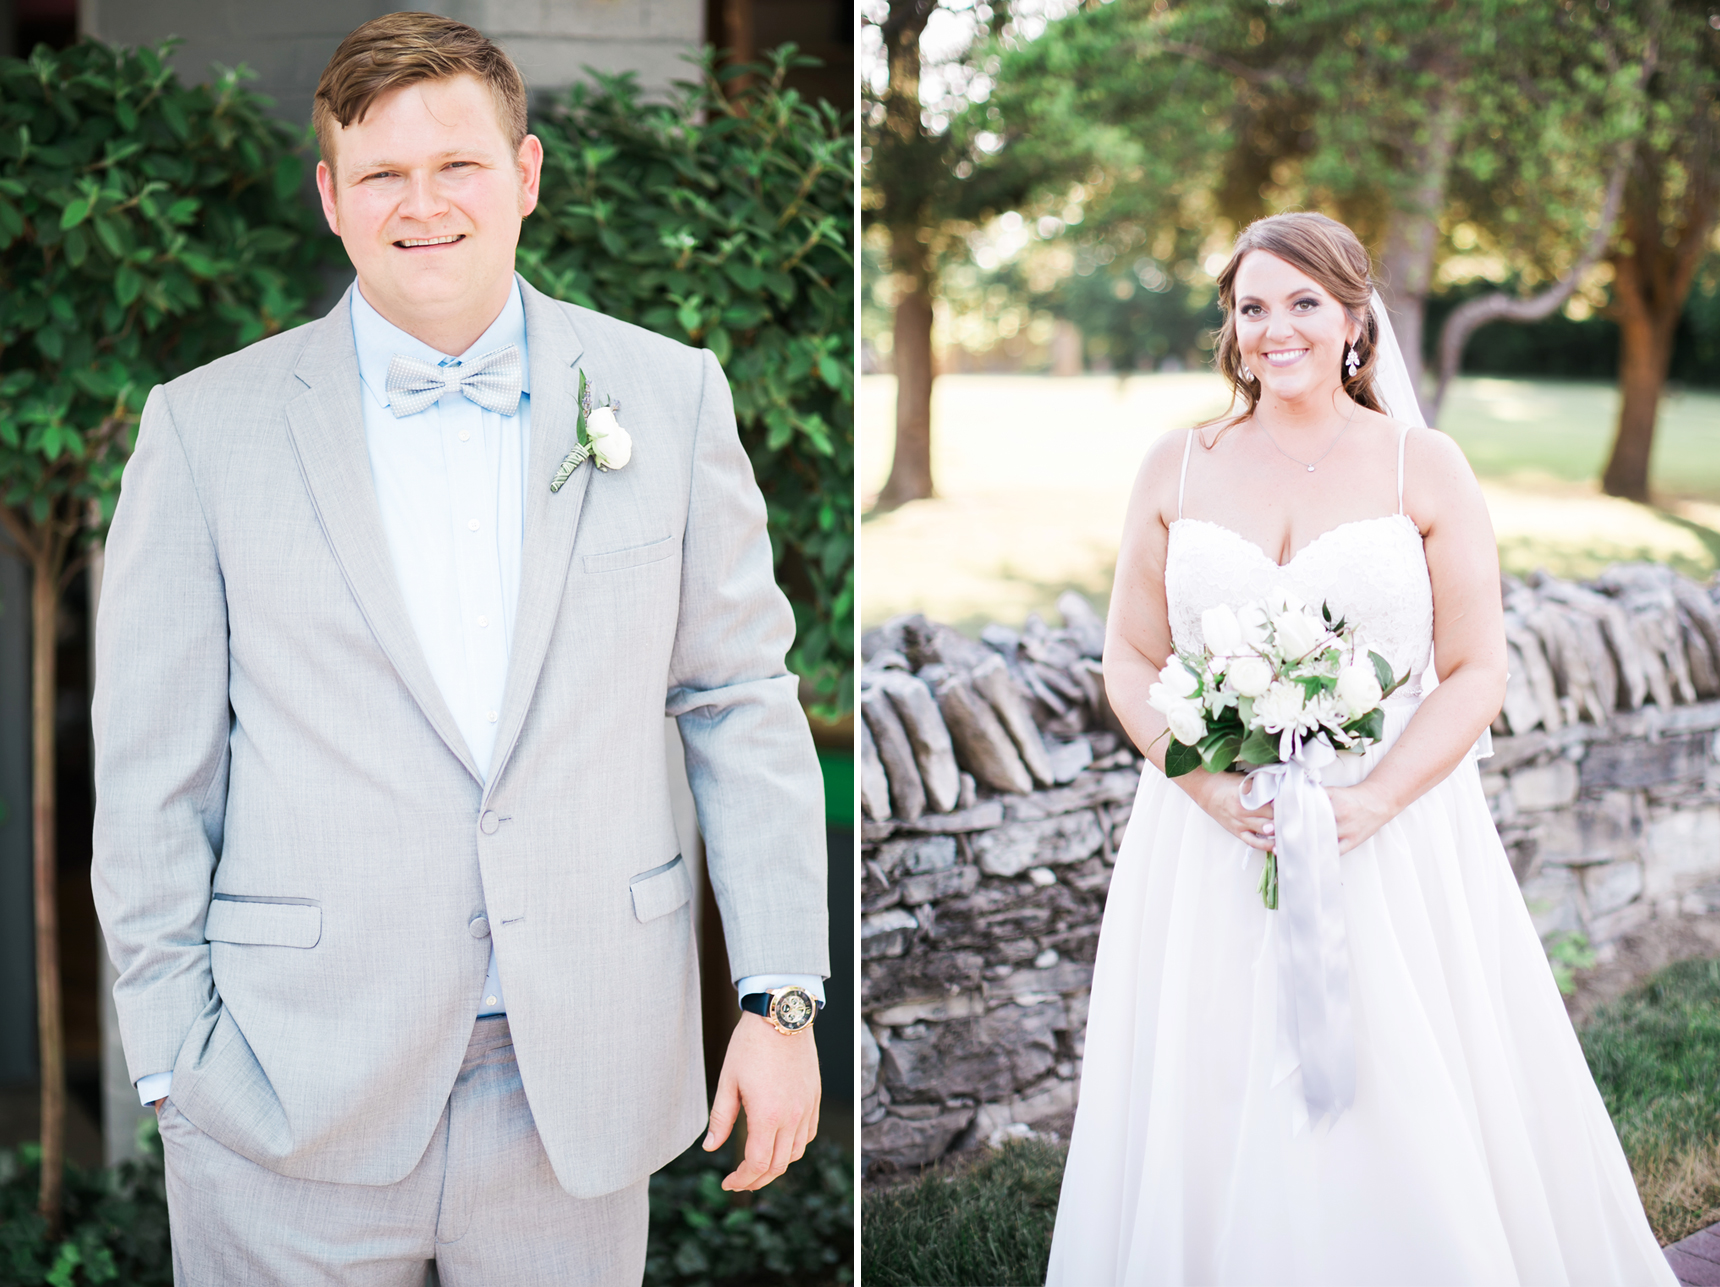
column 1314, row 1021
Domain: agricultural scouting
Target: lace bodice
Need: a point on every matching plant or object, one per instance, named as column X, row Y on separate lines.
column 1373, row 571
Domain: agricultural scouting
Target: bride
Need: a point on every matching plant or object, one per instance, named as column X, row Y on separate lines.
column 1467, row 1144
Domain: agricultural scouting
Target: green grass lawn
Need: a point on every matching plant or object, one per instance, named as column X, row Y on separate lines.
column 1655, row 1055
column 987, row 1223
column 1530, row 430
column 1033, row 475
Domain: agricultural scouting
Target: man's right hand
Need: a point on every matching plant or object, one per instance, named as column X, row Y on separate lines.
column 156, row 1105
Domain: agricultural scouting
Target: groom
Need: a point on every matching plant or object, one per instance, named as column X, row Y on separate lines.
column 384, row 851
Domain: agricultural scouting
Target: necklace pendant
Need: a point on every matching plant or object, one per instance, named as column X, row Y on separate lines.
column 1310, row 469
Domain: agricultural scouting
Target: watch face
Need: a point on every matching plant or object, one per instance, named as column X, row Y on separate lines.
column 793, row 1009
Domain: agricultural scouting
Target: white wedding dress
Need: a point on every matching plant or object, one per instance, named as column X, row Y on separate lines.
column 1477, row 1151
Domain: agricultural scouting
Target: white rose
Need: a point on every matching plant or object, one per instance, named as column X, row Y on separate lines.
column 1358, row 689
column 1282, row 706
column 610, row 443
column 1186, row 724
column 1250, row 676
column 1178, row 679
column 1297, row 632
column 1222, row 631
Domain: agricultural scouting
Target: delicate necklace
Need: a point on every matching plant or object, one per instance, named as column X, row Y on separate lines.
column 1317, row 459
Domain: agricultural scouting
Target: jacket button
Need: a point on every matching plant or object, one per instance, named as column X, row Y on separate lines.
column 480, row 926
column 489, row 822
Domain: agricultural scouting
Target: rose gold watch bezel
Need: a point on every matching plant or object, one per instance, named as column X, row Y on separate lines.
column 776, row 995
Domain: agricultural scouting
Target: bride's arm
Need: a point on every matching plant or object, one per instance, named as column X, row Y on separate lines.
column 1138, row 640
column 1468, row 640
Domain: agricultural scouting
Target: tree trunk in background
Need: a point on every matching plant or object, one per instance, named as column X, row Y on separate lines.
column 900, row 164
column 1644, row 353
column 1412, row 230
column 1654, row 266
column 44, row 619
column 911, row 466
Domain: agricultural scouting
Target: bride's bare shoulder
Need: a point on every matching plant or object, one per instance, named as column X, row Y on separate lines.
column 1437, row 476
column 1157, row 480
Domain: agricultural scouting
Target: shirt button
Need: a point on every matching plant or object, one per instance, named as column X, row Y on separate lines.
column 465, row 435
column 489, row 1000
column 472, row 524
column 483, row 621
column 492, row 717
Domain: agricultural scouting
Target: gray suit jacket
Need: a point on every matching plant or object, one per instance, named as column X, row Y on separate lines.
column 295, row 859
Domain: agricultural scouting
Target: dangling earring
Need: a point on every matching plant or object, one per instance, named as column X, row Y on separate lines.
column 1247, row 376
column 1352, row 362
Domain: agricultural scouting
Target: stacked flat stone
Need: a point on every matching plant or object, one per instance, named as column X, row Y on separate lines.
column 997, row 783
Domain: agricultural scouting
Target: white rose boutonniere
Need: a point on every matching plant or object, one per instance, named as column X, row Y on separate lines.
column 602, row 440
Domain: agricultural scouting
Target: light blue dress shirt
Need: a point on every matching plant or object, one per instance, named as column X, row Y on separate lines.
column 450, row 487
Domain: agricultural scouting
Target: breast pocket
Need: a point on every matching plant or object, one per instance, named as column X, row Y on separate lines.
column 661, row 890
column 632, row 557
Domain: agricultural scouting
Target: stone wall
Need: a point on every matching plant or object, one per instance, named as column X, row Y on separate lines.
column 996, row 785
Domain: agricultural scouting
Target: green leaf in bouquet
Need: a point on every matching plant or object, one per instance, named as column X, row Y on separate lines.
column 1326, row 613
column 1180, row 759
column 1383, row 671
column 1258, row 748
column 1371, row 725
column 1244, row 711
column 1218, row 750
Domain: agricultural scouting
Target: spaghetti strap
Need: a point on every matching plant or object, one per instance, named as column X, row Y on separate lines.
column 1403, row 432
column 1183, row 481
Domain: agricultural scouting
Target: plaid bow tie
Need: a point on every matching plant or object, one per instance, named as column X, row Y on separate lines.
column 491, row 381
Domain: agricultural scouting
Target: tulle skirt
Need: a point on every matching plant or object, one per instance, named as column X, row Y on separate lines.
column 1478, row 1150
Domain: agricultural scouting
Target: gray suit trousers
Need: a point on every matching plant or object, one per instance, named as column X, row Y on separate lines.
column 483, row 1203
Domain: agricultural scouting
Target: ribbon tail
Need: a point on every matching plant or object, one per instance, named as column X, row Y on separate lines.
column 1317, row 1021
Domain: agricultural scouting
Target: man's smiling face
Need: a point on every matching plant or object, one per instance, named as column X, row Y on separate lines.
column 427, row 194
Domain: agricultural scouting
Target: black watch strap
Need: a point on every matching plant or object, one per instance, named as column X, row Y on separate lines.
column 759, row 1003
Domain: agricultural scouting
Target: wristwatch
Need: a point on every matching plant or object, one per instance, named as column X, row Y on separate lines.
column 788, row 1010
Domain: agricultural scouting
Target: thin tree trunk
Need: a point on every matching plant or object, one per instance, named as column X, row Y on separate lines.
column 44, row 619
column 911, row 466
column 1412, row 231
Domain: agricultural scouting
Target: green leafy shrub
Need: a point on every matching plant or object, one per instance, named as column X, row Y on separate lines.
column 796, row 1232
column 115, row 1223
column 729, row 225
column 146, row 227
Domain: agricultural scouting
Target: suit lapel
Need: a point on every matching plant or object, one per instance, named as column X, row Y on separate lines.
column 327, row 427
column 552, row 519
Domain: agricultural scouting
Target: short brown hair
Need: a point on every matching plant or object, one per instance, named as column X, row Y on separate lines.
column 401, row 49
column 1335, row 258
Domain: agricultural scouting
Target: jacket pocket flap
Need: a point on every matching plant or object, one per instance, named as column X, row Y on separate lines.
column 661, row 890
column 616, row 560
column 273, row 924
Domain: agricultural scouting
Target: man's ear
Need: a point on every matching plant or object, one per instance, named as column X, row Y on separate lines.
column 325, row 190
column 529, row 163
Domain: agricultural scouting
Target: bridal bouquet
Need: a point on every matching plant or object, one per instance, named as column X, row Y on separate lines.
column 1277, row 682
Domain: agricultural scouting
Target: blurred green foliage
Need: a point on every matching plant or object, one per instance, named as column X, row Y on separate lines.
column 146, row 228
column 728, row 224
column 798, row 1231
column 115, row 1222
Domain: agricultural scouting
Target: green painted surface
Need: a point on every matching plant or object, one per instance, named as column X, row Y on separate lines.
column 838, row 767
